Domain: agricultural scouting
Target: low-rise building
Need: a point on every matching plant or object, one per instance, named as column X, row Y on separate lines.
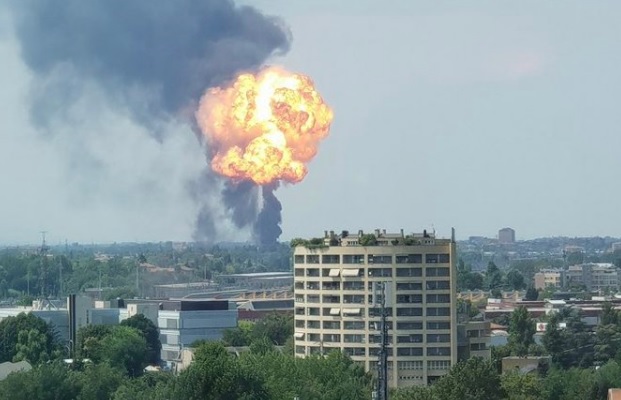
column 183, row 322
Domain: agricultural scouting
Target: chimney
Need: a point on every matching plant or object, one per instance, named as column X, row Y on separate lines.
column 402, row 232
column 360, row 232
column 325, row 234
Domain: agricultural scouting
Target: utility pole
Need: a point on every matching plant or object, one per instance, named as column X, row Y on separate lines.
column 382, row 365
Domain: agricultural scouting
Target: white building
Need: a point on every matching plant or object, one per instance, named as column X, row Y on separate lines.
column 183, row 322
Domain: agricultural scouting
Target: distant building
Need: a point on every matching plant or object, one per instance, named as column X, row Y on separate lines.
column 7, row 368
column 598, row 277
column 616, row 247
column 548, row 278
column 506, row 235
column 254, row 310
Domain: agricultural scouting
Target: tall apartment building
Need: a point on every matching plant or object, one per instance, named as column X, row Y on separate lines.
column 334, row 279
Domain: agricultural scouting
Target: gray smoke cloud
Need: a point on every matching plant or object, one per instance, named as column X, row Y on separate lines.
column 153, row 60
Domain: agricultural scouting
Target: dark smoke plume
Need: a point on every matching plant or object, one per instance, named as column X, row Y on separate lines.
column 153, row 59
column 267, row 226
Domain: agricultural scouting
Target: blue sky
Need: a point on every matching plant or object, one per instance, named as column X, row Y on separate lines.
column 447, row 114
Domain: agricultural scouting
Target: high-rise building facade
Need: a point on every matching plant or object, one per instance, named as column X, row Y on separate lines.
column 336, row 307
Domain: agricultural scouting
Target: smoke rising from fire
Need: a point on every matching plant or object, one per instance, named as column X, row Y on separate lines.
column 151, row 59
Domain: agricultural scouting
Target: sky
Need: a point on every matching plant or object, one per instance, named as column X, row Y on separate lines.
column 472, row 115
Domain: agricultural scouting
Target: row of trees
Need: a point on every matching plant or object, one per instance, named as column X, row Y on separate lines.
column 477, row 379
column 493, row 279
column 65, row 271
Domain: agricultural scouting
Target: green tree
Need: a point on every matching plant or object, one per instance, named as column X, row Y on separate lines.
column 519, row 386
column 277, row 328
column 10, row 329
column 44, row 382
column 97, row 382
column 33, row 347
column 240, row 335
column 515, row 280
column 531, row 294
column 215, row 374
column 521, row 331
column 124, row 348
column 150, row 333
column 493, row 276
column 474, row 379
column 609, row 316
column 89, row 340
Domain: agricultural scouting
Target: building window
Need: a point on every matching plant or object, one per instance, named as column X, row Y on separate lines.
column 437, row 271
column 313, row 311
column 380, row 259
column 409, row 326
column 409, row 298
column 347, row 285
column 331, row 299
column 312, row 259
column 300, row 350
column 409, row 272
column 353, row 259
column 331, row 337
column 330, row 259
column 410, row 339
column 299, row 298
column 378, row 338
column 312, row 298
column 311, row 285
column 409, row 259
column 409, row 286
column 438, row 325
column 299, row 272
column 299, row 311
column 438, row 338
column 298, row 259
column 377, row 312
column 351, row 325
column 355, row 351
column 477, row 346
column 410, row 365
column 438, row 298
column 374, row 351
column 438, row 351
column 436, row 365
column 312, row 272
column 380, row 272
column 331, row 285
column 312, row 324
column 437, row 258
column 409, row 351
column 438, row 311
column 353, row 298
column 438, row 285
column 331, row 324
column 355, row 338
column 409, row 312
column 376, row 325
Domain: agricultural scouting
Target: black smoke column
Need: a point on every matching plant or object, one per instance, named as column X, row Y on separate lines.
column 267, row 227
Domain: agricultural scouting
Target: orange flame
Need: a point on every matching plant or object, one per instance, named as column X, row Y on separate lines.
column 264, row 127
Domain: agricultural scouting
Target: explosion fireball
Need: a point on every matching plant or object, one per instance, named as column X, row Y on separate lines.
column 264, row 127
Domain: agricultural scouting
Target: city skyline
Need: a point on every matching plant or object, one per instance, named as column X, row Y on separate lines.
column 476, row 117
